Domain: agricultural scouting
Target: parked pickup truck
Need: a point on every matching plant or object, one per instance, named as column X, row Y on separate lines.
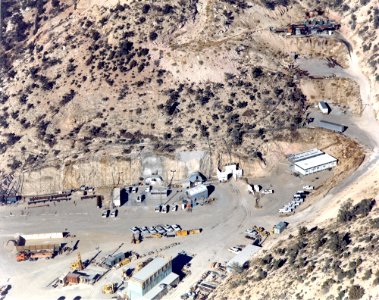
column 308, row 187
column 266, row 191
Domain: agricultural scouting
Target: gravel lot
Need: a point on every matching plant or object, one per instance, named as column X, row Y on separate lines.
column 223, row 223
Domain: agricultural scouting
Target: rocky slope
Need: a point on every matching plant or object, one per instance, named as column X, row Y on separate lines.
column 84, row 79
column 334, row 260
column 104, row 170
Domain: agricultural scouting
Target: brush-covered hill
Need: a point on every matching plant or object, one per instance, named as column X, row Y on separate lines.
column 334, row 260
column 81, row 77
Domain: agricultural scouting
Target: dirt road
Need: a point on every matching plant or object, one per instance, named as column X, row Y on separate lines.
column 370, row 126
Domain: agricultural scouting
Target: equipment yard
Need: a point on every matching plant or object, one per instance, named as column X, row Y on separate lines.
column 223, row 223
column 172, row 149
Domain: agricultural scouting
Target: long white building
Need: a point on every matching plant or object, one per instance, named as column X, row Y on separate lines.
column 151, row 282
column 312, row 161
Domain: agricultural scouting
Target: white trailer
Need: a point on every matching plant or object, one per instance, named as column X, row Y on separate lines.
column 324, row 107
column 116, row 196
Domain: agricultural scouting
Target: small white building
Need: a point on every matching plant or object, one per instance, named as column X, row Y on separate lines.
column 153, row 180
column 231, row 170
column 324, row 107
column 197, row 192
column 242, row 258
column 116, row 196
column 315, row 164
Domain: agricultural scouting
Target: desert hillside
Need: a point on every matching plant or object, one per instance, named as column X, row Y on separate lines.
column 83, row 79
column 334, row 260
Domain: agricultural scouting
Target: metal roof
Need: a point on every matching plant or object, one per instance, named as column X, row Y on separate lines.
column 304, row 155
column 157, row 289
column 281, row 225
column 201, row 188
column 315, row 161
column 113, row 258
column 323, row 104
column 245, row 255
column 152, row 267
column 332, row 126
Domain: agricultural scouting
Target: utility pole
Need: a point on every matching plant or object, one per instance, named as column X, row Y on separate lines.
column 172, row 177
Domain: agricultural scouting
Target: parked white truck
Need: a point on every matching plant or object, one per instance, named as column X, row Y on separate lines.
column 116, row 196
column 308, row 187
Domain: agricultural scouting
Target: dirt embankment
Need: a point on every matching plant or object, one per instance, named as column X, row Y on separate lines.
column 104, row 170
column 341, row 91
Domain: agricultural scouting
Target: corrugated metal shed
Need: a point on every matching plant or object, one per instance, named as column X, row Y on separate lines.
column 114, row 259
column 198, row 192
column 332, row 126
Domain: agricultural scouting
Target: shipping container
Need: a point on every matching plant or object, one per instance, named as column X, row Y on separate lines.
column 72, row 278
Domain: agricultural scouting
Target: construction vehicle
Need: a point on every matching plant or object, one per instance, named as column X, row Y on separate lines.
column 22, row 256
column 109, row 288
column 265, row 234
column 78, row 264
column 182, row 233
column 154, row 235
column 124, row 262
column 42, row 254
column 195, row 231
column 259, row 229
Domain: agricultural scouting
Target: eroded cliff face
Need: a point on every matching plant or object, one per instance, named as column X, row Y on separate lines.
column 106, row 170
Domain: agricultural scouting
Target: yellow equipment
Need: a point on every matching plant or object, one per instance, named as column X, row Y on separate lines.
column 109, row 288
column 78, row 264
column 124, row 262
column 182, row 233
column 139, row 266
column 194, row 231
